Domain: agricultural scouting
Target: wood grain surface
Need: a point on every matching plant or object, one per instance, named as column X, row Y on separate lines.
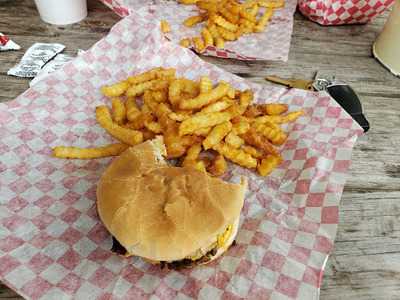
column 365, row 263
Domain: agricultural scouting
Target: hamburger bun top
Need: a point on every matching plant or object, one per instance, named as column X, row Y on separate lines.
column 164, row 213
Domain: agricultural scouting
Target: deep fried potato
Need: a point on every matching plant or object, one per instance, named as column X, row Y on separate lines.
column 271, row 4
column 180, row 85
column 132, row 111
column 217, row 134
column 274, row 109
column 193, row 152
column 88, row 153
column 240, row 127
column 220, row 105
column 253, row 151
column 118, row 111
column 115, row 90
column 272, row 132
column 198, row 44
column 127, row 136
column 139, row 89
column 192, row 21
column 234, row 140
column 203, row 120
column 253, row 138
column 185, row 42
column 218, row 166
column 207, row 37
column 202, row 131
column 237, row 156
column 179, row 116
column 140, row 121
column 262, row 22
column 226, row 34
column 290, row 117
column 165, row 27
column 268, row 164
column 253, row 111
column 206, row 98
column 205, row 84
column 153, row 126
column 224, row 23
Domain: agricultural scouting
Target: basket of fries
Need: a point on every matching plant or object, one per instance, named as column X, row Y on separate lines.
column 244, row 30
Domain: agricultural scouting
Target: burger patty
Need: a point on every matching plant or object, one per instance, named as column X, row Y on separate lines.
column 174, row 265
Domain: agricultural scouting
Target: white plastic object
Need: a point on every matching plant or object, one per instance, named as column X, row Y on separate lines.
column 62, row 12
column 386, row 48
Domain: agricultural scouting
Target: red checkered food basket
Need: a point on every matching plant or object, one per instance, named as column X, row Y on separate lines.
column 337, row 12
column 52, row 243
column 272, row 44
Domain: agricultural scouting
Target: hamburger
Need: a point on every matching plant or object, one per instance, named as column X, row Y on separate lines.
column 176, row 217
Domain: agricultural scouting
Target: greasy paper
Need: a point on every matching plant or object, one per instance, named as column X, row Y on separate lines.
column 52, row 244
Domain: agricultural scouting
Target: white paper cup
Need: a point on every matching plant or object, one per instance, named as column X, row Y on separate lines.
column 62, row 12
column 386, row 48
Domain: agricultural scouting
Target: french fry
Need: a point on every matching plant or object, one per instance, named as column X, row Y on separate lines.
column 209, row 6
column 139, row 89
column 89, row 153
column 193, row 152
column 175, row 144
column 217, row 134
column 247, row 15
column 252, row 151
column 140, row 121
column 115, row 90
column 229, row 15
column 118, row 110
column 203, row 120
column 160, row 95
column 253, row 111
column 218, row 166
column 202, row 131
column 234, row 140
column 194, row 20
column 237, row 156
column 207, row 37
column 254, row 10
column 226, row 34
column 274, row 109
column 127, row 136
column 206, row 98
column 271, row 4
column 262, row 22
column 143, row 77
column 205, row 84
column 268, row 164
column 178, row 86
column 220, row 105
column 132, row 111
column 179, row 116
column 272, row 132
column 231, row 93
column 197, row 164
column 219, row 43
column 147, row 134
column 240, row 127
column 153, row 126
column 281, row 119
column 224, row 23
column 253, row 138
column 198, row 43
column 185, row 42
column 165, row 27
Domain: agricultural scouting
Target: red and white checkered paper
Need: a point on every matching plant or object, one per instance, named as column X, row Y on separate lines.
column 337, row 12
column 272, row 44
column 52, row 243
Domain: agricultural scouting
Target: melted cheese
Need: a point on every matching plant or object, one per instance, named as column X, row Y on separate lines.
column 224, row 237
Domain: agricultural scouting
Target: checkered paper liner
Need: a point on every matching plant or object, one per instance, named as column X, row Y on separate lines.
column 272, row 44
column 337, row 12
column 52, row 244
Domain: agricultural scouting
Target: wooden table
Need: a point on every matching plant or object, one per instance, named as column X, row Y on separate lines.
column 365, row 263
